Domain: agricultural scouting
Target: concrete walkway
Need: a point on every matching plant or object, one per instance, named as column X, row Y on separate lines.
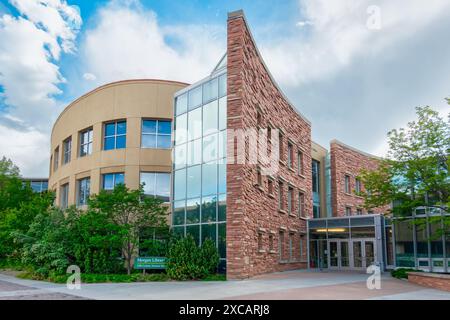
column 293, row 285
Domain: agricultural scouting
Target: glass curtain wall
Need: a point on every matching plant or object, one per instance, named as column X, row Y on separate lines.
column 199, row 179
column 420, row 241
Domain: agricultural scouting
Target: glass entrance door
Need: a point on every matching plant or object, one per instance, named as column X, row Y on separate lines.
column 339, row 254
column 334, row 254
column 345, row 261
column 363, row 253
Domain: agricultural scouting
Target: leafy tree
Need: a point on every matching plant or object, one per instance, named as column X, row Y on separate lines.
column 95, row 242
column 16, row 221
column 13, row 191
column 186, row 260
column 132, row 211
column 416, row 171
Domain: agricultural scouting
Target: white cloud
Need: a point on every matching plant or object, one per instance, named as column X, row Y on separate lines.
column 339, row 33
column 129, row 42
column 30, row 48
column 89, row 77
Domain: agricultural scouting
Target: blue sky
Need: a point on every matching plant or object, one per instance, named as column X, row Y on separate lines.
column 354, row 72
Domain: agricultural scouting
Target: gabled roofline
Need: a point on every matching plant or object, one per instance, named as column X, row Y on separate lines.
column 240, row 14
column 354, row 149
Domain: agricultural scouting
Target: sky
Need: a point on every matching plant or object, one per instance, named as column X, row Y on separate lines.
column 355, row 68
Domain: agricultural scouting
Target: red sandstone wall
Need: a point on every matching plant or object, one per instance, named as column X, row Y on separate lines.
column 344, row 161
column 250, row 209
column 441, row 282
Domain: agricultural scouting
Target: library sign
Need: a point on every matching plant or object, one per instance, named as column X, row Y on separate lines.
column 150, row 263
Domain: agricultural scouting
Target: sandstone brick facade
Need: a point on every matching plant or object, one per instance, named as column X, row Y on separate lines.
column 347, row 161
column 260, row 237
column 436, row 281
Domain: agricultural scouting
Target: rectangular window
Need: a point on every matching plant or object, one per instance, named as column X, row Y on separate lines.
column 258, row 118
column 359, row 212
column 115, row 135
column 348, row 211
column 210, row 90
column 270, row 186
column 260, row 242
column 156, row 184
column 280, row 146
column 56, row 159
column 357, row 186
column 301, row 204
column 110, row 180
column 300, row 163
column 84, row 190
column 259, row 177
column 280, row 196
column 291, row 246
column 86, row 138
column 156, row 134
column 222, row 85
column 290, row 200
column 301, row 244
column 316, row 176
column 290, row 154
column 281, row 245
column 64, row 196
column 271, row 243
column 181, row 104
column 67, row 149
column 269, row 140
column 347, row 183
column 195, row 98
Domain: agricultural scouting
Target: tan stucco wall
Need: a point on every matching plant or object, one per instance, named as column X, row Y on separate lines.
column 132, row 100
column 319, row 153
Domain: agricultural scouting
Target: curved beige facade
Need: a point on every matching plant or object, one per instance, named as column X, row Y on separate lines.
column 133, row 101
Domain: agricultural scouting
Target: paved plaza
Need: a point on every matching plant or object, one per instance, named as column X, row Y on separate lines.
column 292, row 285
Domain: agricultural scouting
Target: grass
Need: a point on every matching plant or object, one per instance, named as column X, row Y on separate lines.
column 215, row 277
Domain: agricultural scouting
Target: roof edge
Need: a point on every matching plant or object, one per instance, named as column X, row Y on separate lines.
column 355, row 149
column 111, row 84
column 240, row 14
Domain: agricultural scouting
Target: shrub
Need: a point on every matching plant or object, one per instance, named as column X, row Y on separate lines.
column 188, row 261
column 402, row 273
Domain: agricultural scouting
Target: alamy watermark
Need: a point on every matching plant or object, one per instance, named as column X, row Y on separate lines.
column 74, row 280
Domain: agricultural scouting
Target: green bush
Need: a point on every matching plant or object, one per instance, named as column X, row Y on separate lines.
column 187, row 261
column 402, row 273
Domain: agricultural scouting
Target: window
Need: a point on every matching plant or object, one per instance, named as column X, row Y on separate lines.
column 115, row 135
column 86, row 138
column 348, row 211
column 67, row 149
column 316, row 210
column 290, row 200
column 56, row 159
column 291, row 246
column 259, row 177
column 64, row 196
column 290, row 154
column 181, row 104
column 270, row 186
column 260, row 242
column 281, row 245
column 301, row 244
column 269, row 140
column 347, row 184
column 210, row 118
column 300, row 163
column 359, row 212
column 156, row 134
column 280, row 196
column 258, row 118
column 271, row 243
column 111, row 180
column 316, row 176
column 280, row 146
column 301, row 204
column 222, row 85
column 84, row 189
column 156, row 184
column 195, row 98
column 39, row 186
column 357, row 186
column 210, row 90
